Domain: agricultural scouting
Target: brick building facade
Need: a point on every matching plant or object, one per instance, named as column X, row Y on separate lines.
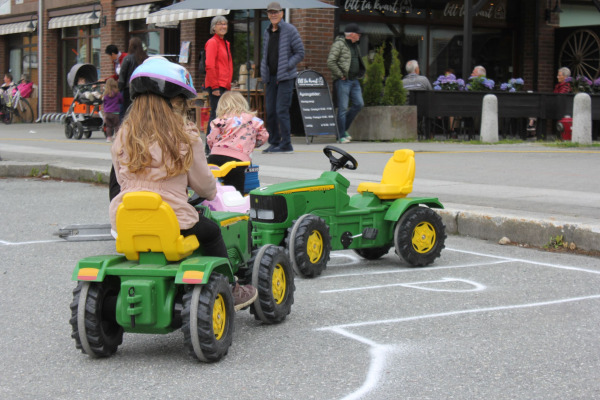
column 531, row 51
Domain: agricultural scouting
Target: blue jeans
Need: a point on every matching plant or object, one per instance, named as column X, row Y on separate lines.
column 278, row 98
column 347, row 91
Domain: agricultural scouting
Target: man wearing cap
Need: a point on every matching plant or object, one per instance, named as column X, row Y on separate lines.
column 282, row 51
column 346, row 65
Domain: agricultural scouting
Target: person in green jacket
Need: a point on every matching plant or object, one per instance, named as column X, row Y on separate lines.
column 347, row 67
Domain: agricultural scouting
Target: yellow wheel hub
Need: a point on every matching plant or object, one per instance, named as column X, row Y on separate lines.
column 279, row 284
column 423, row 238
column 314, row 246
column 219, row 317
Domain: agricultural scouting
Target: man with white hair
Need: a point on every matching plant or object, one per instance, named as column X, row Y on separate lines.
column 414, row 81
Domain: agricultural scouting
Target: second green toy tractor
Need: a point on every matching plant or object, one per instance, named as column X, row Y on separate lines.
column 313, row 217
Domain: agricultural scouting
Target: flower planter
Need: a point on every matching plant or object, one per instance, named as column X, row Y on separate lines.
column 385, row 123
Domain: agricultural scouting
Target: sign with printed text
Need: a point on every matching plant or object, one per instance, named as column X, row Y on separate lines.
column 315, row 104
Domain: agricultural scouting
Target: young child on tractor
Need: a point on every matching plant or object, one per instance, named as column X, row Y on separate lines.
column 157, row 149
column 233, row 136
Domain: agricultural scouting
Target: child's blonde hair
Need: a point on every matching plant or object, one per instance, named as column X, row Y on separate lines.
column 152, row 119
column 232, row 103
column 110, row 87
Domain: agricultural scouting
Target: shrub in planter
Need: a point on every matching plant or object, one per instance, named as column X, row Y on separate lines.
column 394, row 93
column 373, row 81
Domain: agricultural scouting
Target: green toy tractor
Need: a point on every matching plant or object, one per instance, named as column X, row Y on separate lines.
column 313, row 217
column 164, row 282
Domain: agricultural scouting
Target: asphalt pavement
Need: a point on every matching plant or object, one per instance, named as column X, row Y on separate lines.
column 482, row 322
column 528, row 192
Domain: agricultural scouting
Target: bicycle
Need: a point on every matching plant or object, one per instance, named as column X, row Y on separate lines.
column 16, row 108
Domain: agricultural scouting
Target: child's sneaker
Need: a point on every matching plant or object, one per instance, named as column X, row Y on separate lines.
column 243, row 296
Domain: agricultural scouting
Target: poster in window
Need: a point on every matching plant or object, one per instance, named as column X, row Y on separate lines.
column 184, row 53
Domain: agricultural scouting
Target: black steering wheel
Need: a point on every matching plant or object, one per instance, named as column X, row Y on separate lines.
column 345, row 161
column 193, row 198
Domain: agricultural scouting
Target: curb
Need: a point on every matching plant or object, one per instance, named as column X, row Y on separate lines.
column 477, row 222
column 525, row 229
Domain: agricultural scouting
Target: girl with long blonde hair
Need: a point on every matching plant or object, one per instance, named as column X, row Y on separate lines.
column 159, row 150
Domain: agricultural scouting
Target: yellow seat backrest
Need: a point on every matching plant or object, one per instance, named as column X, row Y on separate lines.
column 145, row 223
column 397, row 179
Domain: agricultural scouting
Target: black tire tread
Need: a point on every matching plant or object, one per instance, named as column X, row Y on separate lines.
column 373, row 253
column 308, row 224
column 403, row 236
column 212, row 350
column 272, row 312
column 102, row 343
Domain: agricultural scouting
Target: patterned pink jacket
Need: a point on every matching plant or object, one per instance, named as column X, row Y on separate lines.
column 236, row 136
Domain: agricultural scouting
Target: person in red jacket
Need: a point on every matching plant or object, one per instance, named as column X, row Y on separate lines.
column 219, row 64
column 564, row 84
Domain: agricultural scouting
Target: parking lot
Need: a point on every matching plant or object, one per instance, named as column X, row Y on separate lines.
column 484, row 321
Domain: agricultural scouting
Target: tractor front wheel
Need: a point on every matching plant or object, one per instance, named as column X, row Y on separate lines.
column 419, row 236
column 93, row 318
column 273, row 277
column 309, row 245
column 207, row 319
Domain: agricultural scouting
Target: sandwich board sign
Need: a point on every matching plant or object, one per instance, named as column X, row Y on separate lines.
column 315, row 104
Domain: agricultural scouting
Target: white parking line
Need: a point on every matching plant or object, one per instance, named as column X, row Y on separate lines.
column 30, row 242
column 420, row 285
column 509, row 259
column 378, row 352
column 403, row 271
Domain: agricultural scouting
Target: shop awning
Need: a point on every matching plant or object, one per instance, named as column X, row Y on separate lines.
column 174, row 16
column 74, row 20
column 134, row 12
column 19, row 27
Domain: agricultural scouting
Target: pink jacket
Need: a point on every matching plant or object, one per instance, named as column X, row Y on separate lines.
column 236, row 136
column 173, row 190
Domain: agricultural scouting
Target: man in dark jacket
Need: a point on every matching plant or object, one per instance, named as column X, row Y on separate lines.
column 282, row 51
column 346, row 65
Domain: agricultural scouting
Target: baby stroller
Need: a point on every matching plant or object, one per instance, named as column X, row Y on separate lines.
column 87, row 90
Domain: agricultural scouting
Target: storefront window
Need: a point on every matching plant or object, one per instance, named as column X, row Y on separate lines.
column 431, row 32
column 150, row 37
column 80, row 45
column 247, row 39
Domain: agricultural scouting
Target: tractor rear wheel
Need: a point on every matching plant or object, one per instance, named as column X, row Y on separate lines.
column 207, row 319
column 93, row 318
column 309, row 245
column 273, row 277
column 419, row 236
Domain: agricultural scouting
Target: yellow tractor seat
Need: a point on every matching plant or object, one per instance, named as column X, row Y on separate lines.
column 145, row 223
column 397, row 179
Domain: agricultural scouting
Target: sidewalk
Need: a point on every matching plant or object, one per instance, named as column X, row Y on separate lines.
column 529, row 192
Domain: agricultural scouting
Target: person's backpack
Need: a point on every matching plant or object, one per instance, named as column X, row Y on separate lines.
column 202, row 63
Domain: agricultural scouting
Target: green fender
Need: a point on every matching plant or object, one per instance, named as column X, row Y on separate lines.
column 93, row 269
column 197, row 270
column 399, row 206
